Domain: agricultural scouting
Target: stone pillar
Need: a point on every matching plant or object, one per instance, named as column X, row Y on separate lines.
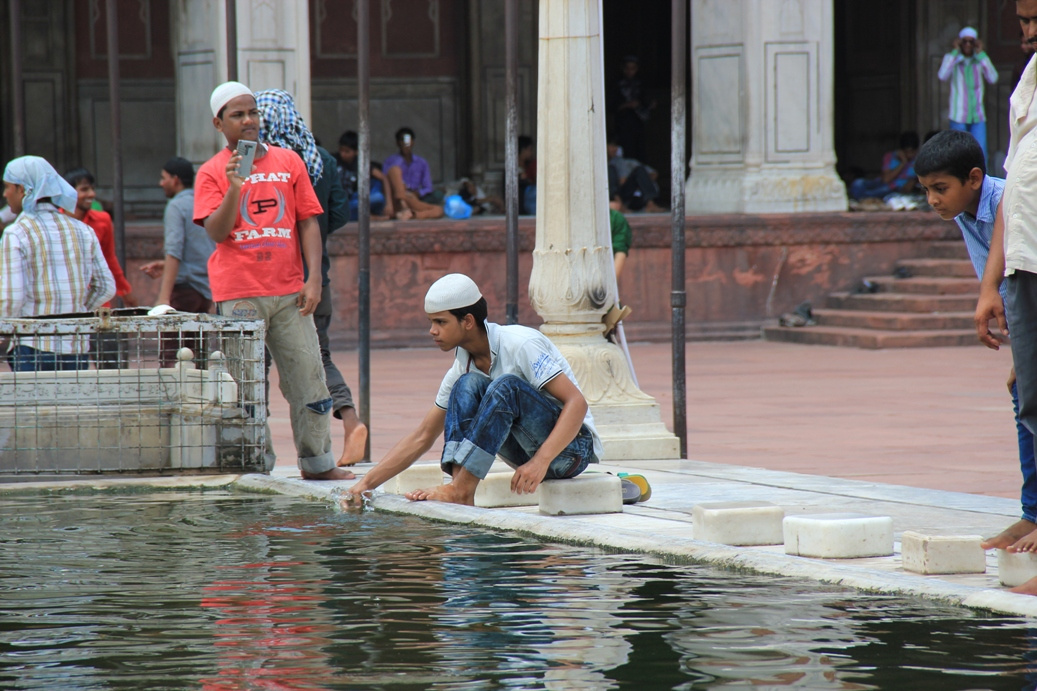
column 573, row 284
column 273, row 53
column 762, row 104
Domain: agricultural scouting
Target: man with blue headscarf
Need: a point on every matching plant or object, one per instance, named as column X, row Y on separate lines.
column 283, row 126
column 50, row 263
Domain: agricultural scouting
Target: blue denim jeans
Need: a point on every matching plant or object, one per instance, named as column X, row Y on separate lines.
column 24, row 358
column 506, row 416
column 976, row 129
column 1027, row 463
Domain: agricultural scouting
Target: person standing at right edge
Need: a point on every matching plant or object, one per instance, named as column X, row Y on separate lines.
column 1013, row 254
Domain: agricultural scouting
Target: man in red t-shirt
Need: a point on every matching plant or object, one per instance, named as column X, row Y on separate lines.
column 105, row 348
column 259, row 220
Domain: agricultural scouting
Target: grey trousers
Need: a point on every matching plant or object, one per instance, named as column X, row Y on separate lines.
column 341, row 396
column 1021, row 310
column 292, row 341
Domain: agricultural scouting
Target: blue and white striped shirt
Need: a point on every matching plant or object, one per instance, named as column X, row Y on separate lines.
column 977, row 230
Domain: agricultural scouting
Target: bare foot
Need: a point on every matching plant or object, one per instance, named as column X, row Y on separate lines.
column 1028, row 588
column 1027, row 543
column 404, row 215
column 356, row 442
column 333, row 474
column 1009, row 535
column 450, row 493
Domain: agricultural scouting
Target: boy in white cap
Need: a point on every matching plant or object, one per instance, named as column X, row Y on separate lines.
column 259, row 220
column 966, row 66
column 509, row 392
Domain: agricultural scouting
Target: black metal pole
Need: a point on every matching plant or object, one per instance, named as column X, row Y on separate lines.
column 678, row 296
column 511, row 200
column 363, row 79
column 112, row 20
column 232, row 39
column 17, row 88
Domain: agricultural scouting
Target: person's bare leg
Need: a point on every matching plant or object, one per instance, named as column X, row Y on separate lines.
column 333, row 474
column 423, row 210
column 1028, row 588
column 460, row 490
column 398, row 192
column 356, row 438
column 1027, row 543
column 1010, row 535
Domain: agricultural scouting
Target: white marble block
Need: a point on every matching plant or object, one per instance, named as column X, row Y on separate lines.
column 415, row 477
column 838, row 535
column 738, row 522
column 595, row 493
column 924, row 552
column 495, row 491
column 1015, row 568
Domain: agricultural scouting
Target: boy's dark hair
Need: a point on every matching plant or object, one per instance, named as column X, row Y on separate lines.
column 909, row 140
column 349, row 138
column 952, row 152
column 524, row 141
column 77, row 175
column 478, row 310
column 404, row 130
column 180, row 168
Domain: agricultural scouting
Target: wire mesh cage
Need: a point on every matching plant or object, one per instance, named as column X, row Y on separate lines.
column 122, row 392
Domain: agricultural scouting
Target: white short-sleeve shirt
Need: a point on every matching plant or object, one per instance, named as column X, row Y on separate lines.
column 1020, row 198
column 523, row 352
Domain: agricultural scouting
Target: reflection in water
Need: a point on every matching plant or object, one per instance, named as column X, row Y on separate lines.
column 227, row 592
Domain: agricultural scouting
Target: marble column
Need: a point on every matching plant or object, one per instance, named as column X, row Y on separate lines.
column 762, row 104
column 573, row 284
column 273, row 53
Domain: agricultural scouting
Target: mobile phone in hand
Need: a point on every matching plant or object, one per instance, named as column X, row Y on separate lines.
column 247, row 149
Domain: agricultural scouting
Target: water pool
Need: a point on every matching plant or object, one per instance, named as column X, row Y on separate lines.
column 222, row 591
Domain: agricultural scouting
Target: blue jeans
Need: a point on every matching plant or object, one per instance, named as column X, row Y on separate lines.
column 864, row 188
column 506, row 416
column 976, row 129
column 1027, row 463
column 24, row 358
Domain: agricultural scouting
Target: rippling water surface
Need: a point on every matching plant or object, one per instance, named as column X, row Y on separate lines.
column 220, row 591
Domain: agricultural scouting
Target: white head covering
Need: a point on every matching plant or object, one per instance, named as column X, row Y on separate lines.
column 968, row 32
column 40, row 181
column 224, row 93
column 451, row 292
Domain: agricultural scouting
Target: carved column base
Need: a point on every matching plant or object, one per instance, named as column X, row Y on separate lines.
column 741, row 190
column 627, row 418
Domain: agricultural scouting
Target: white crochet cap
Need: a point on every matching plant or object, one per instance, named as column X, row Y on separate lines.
column 224, row 93
column 968, row 32
column 451, row 292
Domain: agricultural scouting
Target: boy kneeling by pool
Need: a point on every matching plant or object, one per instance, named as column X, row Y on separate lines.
column 509, row 392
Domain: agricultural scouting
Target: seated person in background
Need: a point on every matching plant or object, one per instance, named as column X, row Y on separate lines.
column 410, row 181
column 622, row 237
column 527, row 160
column 348, row 154
column 631, row 181
column 50, row 263
column 898, row 172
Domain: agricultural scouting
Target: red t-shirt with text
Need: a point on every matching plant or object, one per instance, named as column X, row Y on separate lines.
column 261, row 256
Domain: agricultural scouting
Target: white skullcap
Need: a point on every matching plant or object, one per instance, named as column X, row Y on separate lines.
column 224, row 93
column 968, row 32
column 451, row 292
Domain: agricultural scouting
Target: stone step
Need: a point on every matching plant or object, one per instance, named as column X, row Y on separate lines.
column 738, row 522
column 927, row 285
column 937, row 552
column 893, row 321
column 900, row 302
column 871, row 339
column 585, row 494
column 947, row 249
column 949, row 268
column 839, row 536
